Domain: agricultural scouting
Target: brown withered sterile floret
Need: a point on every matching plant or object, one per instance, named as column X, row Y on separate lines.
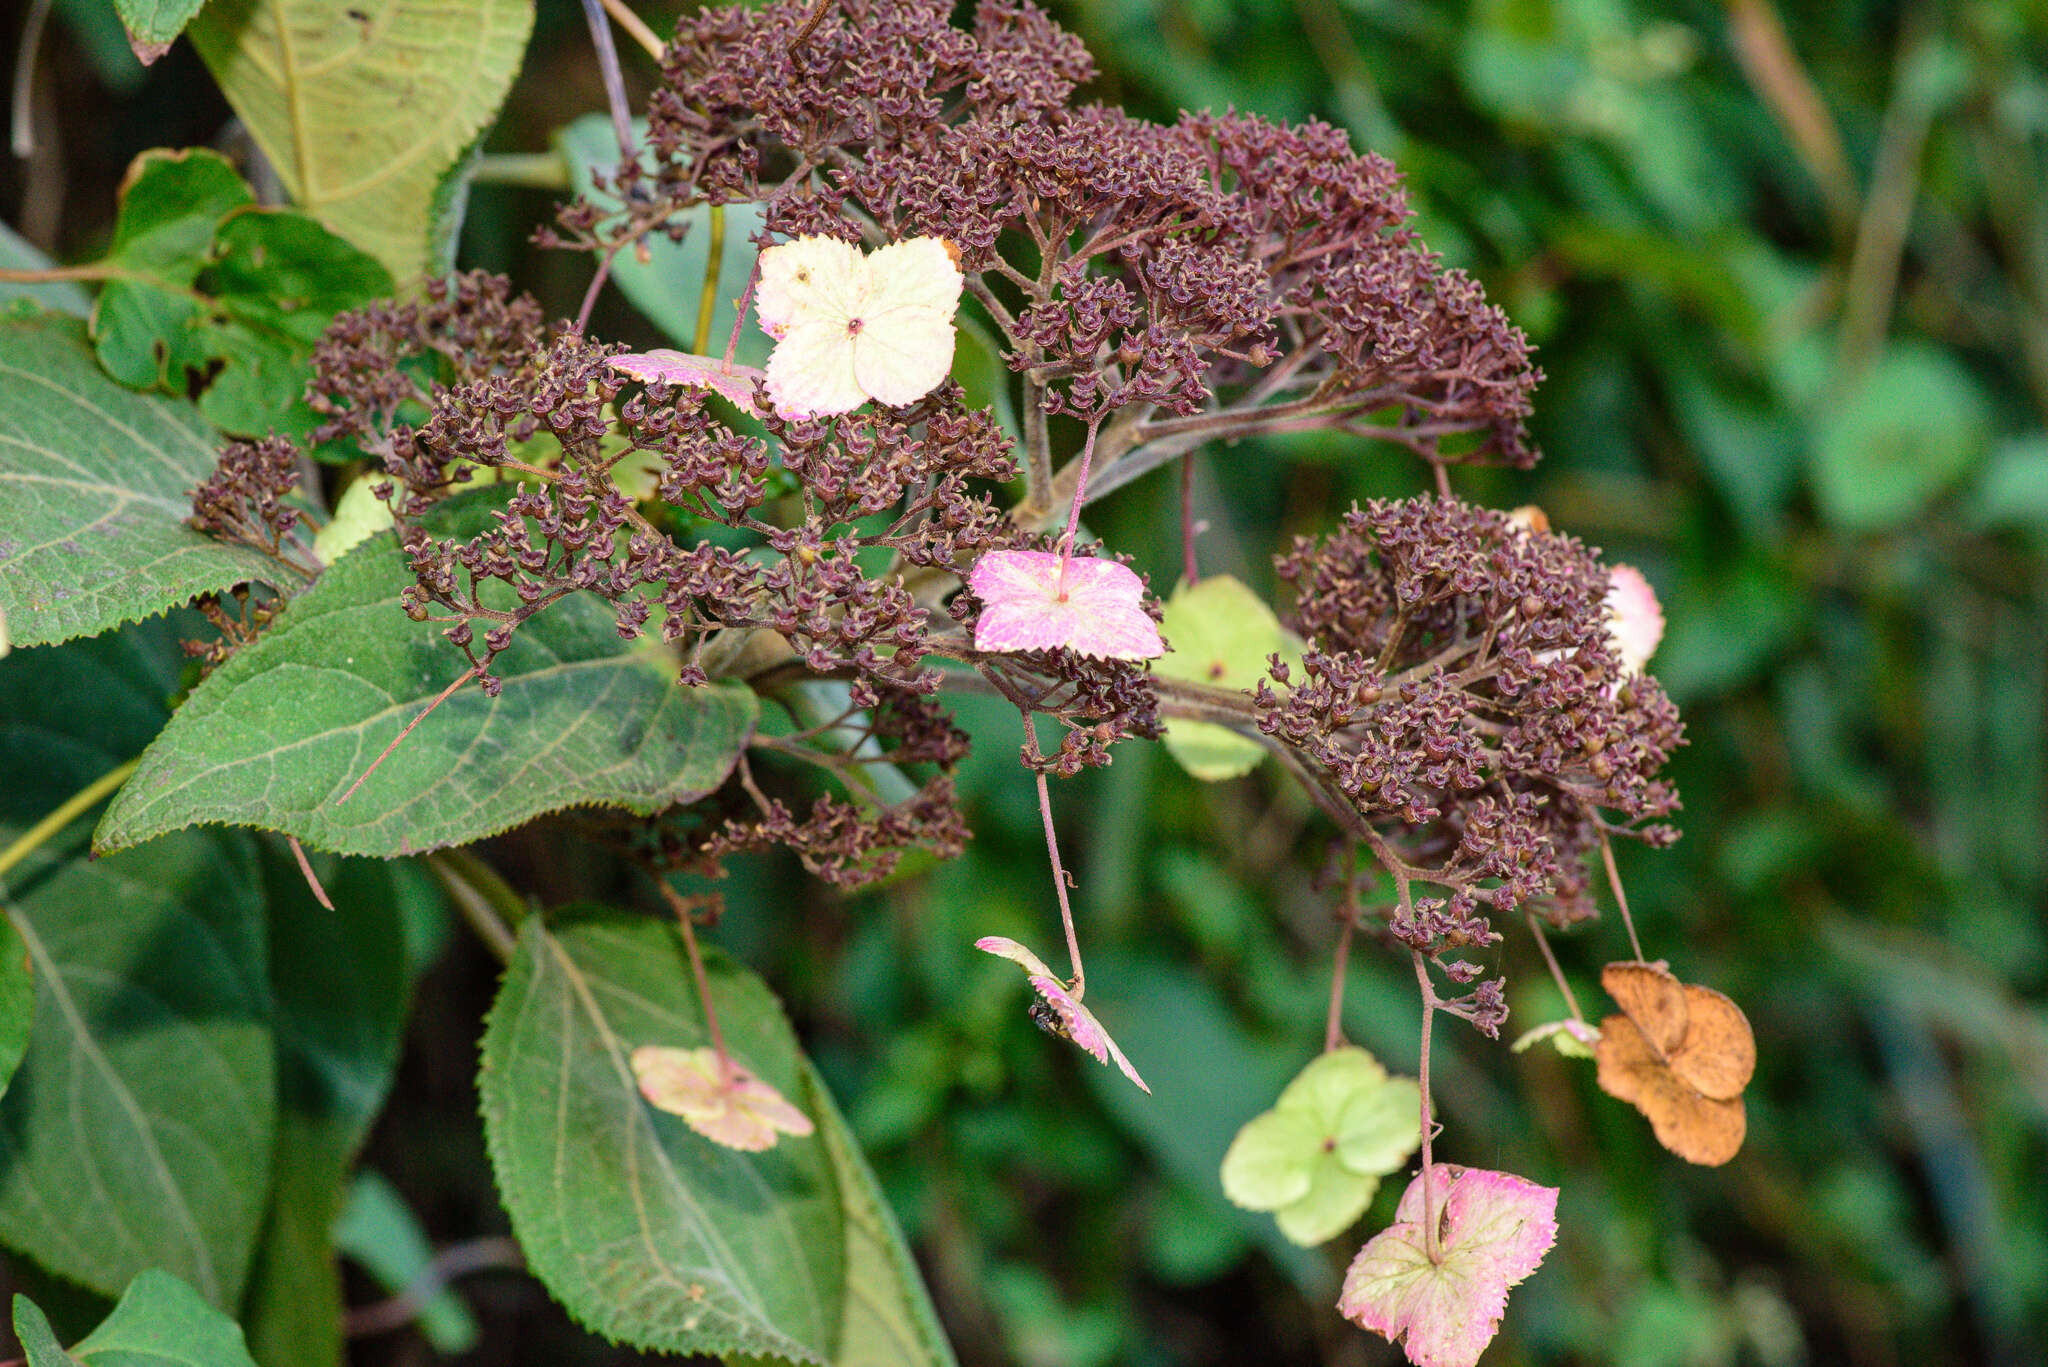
column 1460, row 697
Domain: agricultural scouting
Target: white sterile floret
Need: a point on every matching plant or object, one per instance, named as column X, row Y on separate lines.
column 850, row 328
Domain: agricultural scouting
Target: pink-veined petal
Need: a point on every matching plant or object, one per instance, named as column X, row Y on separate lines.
column 902, row 354
column 810, row 279
column 1005, row 948
column 737, row 1110
column 667, row 366
column 810, row 372
column 1495, row 1228
column 1076, row 1022
column 1032, row 602
column 917, row 272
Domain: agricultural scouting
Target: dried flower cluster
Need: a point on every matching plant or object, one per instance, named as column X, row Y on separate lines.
column 1216, row 277
column 1462, row 701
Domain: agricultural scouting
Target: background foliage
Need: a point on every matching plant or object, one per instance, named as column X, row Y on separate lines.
column 1788, row 271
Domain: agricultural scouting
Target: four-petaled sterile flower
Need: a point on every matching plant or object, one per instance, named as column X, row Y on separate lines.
column 1493, row 1229
column 1058, row 1012
column 1317, row 1157
column 850, row 328
column 727, row 1105
column 1681, row 1054
column 1039, row 600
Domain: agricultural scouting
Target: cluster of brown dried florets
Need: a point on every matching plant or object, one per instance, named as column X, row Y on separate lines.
column 1462, row 702
column 1216, row 277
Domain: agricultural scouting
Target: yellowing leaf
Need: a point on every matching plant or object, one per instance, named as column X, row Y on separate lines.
column 364, row 111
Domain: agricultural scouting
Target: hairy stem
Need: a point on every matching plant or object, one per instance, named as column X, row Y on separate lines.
column 614, row 78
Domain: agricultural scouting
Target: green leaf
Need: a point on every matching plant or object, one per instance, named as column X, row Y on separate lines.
column 159, row 1322
column 667, row 289
column 1317, row 1157
column 888, row 1319
column 152, row 25
column 17, row 999
column 1221, row 634
column 274, row 736
column 38, row 1340
column 363, row 111
column 1913, row 424
column 647, row 1232
column 95, row 487
column 340, row 982
column 147, row 1096
column 214, row 290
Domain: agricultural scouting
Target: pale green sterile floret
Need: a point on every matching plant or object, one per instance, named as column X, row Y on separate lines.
column 1221, row 634
column 1317, row 1157
column 358, row 515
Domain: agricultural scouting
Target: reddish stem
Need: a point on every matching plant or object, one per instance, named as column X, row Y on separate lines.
column 1620, row 897
column 445, row 694
column 1080, row 497
column 1333, row 1034
column 684, row 919
column 306, row 870
column 1556, row 973
column 1430, row 1213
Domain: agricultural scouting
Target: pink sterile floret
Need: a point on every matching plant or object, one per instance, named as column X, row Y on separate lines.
column 1070, row 1019
column 1494, row 1229
column 727, row 1106
column 1635, row 621
column 667, row 366
column 1032, row 600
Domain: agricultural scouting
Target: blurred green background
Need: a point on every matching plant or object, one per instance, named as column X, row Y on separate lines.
column 1787, row 270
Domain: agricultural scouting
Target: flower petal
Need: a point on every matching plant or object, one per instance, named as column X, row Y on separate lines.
column 1004, row 947
column 810, row 279
column 917, row 272
column 1268, row 1164
column 810, row 372
column 902, row 354
column 664, row 365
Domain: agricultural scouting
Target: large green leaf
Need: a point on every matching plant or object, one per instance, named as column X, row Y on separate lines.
column 137, row 1132
column 274, row 736
column 159, row 1322
column 207, row 286
column 364, row 110
column 340, row 982
column 17, row 998
column 888, row 1319
column 648, row 1232
column 95, row 487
